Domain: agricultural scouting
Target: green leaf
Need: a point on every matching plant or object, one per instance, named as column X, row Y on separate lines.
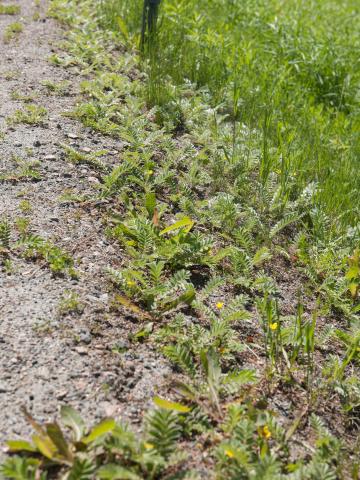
column 20, row 446
column 115, row 472
column 167, row 405
column 82, row 470
column 262, row 255
column 185, row 390
column 211, row 365
column 353, row 272
column 123, row 28
column 56, row 435
column 185, row 223
column 187, row 298
column 150, row 203
column 45, row 446
column 99, row 430
column 73, row 420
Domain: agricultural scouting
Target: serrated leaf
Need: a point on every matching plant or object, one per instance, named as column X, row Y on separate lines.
column 104, row 427
column 116, row 472
column 167, row 405
column 185, row 390
column 262, row 255
column 150, row 203
column 242, row 377
column 185, row 223
column 185, row 298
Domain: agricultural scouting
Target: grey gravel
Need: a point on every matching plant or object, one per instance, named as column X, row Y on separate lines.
column 39, row 365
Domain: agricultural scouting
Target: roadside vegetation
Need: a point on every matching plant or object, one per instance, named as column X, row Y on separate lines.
column 234, row 204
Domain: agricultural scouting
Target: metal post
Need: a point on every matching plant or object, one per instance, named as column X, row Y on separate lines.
column 149, row 19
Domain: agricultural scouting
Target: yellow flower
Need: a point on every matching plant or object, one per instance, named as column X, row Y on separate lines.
column 150, row 172
column 148, row 446
column 130, row 283
column 266, row 432
column 219, row 305
column 229, row 453
column 274, row 326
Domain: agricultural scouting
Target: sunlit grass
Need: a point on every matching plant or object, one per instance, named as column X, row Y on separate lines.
column 288, row 69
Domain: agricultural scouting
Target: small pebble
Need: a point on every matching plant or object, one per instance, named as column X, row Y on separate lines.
column 93, row 180
column 81, row 350
column 3, row 387
column 85, row 337
column 61, row 395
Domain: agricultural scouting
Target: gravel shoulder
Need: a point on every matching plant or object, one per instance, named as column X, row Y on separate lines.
column 49, row 358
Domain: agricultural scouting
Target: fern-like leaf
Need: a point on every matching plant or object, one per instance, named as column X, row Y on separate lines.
column 182, row 357
column 163, row 431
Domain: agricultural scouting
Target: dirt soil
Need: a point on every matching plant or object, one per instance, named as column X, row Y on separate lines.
column 48, row 358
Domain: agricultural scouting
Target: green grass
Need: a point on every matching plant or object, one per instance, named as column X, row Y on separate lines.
column 234, row 208
column 9, row 9
column 290, row 70
column 12, row 31
column 31, row 114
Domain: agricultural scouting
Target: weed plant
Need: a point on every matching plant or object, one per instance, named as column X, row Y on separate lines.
column 233, row 205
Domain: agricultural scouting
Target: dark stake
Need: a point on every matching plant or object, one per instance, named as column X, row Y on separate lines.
column 149, row 19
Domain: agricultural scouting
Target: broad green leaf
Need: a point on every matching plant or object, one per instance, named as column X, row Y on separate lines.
column 123, row 28
column 116, row 472
column 127, row 303
column 20, row 445
column 167, row 405
column 185, row 223
column 45, row 446
column 99, row 430
column 353, row 272
column 73, row 420
column 353, row 287
column 57, row 437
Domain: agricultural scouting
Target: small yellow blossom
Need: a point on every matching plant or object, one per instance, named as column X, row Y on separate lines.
column 229, row 453
column 274, row 326
column 130, row 283
column 150, row 172
column 266, row 432
column 148, row 446
column 220, row 305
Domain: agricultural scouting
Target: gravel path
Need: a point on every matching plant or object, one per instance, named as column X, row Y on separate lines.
column 48, row 358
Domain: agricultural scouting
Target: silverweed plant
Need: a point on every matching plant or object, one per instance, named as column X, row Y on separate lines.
column 233, row 208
